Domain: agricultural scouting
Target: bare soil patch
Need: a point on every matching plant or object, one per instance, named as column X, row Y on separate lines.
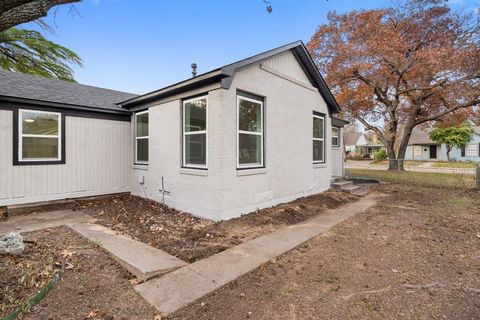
column 93, row 285
column 415, row 255
column 191, row 238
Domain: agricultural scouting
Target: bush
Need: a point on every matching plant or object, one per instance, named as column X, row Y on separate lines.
column 380, row 154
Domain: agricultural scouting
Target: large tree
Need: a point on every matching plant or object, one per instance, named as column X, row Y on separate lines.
column 393, row 69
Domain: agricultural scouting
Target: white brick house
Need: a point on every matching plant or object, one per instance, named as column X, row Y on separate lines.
column 244, row 136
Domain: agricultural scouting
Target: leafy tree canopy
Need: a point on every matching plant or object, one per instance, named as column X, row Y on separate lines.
column 395, row 68
column 27, row 51
column 456, row 136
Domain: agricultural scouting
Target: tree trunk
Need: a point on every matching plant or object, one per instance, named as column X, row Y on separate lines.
column 392, row 159
column 449, row 148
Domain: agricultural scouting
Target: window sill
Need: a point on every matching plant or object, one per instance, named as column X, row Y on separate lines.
column 250, row 172
column 194, row 172
column 140, row 167
column 319, row 165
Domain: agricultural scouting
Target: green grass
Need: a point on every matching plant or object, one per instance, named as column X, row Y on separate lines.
column 407, row 163
column 454, row 165
column 427, row 179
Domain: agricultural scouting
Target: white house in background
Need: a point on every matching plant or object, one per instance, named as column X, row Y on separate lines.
column 362, row 144
column 421, row 147
column 247, row 135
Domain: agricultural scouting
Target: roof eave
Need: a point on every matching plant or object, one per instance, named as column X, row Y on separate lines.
column 53, row 104
column 189, row 84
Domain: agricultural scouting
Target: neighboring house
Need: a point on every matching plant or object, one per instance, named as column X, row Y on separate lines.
column 421, row 147
column 244, row 136
column 362, row 144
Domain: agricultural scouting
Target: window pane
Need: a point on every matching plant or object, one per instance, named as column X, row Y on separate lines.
column 249, row 149
column 142, row 150
column 142, row 125
column 318, row 128
column 196, row 115
column 250, row 116
column 317, row 150
column 38, row 148
column 335, row 141
column 196, row 149
column 335, row 132
column 39, row 123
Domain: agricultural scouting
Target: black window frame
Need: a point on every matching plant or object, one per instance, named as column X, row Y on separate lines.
column 16, row 138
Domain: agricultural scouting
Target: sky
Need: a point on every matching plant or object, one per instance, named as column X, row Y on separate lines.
column 139, row 46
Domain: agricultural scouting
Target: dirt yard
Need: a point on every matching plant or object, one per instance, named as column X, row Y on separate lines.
column 190, row 238
column 93, row 285
column 416, row 255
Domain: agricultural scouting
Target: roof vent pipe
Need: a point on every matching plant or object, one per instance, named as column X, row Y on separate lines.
column 194, row 70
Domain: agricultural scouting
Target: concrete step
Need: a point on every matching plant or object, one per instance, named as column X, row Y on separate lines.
column 342, row 184
column 352, row 189
column 338, row 179
column 26, row 208
column 140, row 259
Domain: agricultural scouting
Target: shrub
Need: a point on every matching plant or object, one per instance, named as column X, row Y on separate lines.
column 380, row 154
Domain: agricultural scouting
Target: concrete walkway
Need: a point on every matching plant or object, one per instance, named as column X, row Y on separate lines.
column 138, row 258
column 41, row 220
column 181, row 287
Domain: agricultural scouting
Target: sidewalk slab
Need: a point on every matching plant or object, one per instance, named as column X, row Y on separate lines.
column 140, row 259
column 181, row 287
column 42, row 220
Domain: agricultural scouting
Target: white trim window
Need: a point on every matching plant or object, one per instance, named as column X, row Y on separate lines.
column 318, row 138
column 40, row 136
column 335, row 137
column 471, row 150
column 195, row 142
column 250, row 131
column 141, row 137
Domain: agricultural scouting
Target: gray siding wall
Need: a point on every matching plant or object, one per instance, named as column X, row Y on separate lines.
column 97, row 162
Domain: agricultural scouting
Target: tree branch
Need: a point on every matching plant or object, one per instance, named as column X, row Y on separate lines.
column 15, row 12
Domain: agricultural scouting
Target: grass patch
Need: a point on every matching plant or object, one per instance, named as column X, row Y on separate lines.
column 462, row 165
column 407, row 163
column 427, row 179
column 460, row 202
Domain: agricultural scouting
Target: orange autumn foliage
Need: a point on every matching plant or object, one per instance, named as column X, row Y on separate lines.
column 415, row 63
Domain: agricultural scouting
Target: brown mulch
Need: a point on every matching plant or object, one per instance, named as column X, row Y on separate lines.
column 191, row 238
column 415, row 255
column 92, row 287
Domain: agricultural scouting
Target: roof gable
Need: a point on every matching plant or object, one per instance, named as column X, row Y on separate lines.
column 226, row 73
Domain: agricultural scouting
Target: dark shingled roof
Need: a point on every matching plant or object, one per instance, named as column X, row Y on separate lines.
column 23, row 86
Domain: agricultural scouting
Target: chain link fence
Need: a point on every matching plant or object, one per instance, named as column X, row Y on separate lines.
column 464, row 175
